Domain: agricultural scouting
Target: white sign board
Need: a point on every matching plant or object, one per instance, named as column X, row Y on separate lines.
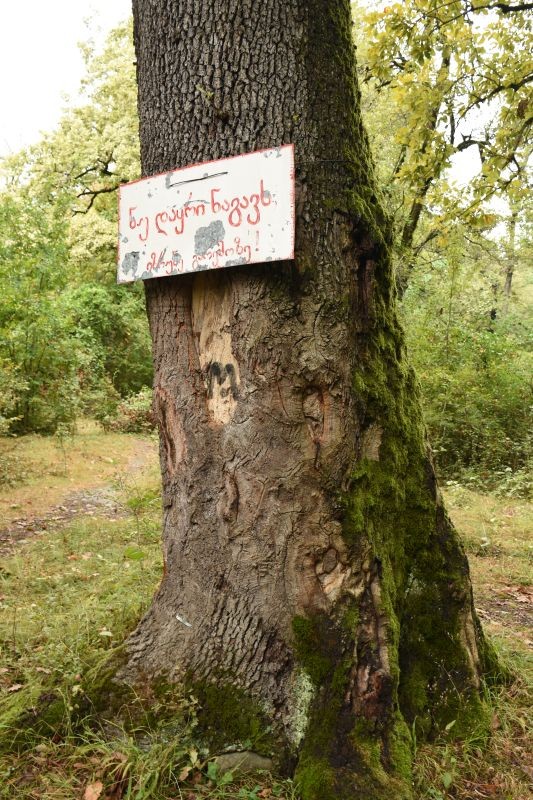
column 218, row 214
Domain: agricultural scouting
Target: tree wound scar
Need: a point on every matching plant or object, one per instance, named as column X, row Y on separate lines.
column 212, row 316
column 172, row 435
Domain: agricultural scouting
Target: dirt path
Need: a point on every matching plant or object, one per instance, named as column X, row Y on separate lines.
column 105, row 500
column 511, row 606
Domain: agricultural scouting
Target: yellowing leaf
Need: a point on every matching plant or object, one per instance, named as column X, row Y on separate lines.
column 93, row 791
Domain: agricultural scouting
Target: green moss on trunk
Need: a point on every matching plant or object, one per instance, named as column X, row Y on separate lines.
column 229, row 717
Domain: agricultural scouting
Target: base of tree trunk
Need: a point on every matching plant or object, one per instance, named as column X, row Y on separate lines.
column 387, row 642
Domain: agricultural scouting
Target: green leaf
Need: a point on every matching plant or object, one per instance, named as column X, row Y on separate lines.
column 212, row 770
column 447, row 779
column 134, row 553
column 226, row 778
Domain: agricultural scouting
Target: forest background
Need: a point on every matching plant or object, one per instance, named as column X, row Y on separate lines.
column 447, row 106
column 439, row 81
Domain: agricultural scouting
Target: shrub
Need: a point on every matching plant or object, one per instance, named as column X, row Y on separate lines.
column 473, row 359
column 134, row 414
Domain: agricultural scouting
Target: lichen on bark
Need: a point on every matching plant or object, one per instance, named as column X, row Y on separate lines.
column 306, row 544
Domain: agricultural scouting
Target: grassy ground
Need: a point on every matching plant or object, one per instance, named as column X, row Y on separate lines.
column 497, row 537
column 70, row 595
column 38, row 472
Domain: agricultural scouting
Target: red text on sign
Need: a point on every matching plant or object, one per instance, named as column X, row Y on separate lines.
column 237, row 206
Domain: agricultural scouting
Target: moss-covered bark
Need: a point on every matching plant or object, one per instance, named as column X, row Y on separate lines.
column 306, row 543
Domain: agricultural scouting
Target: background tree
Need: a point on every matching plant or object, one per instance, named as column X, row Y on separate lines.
column 312, row 576
column 60, row 195
column 453, row 77
column 72, row 342
column 445, row 87
column 471, row 348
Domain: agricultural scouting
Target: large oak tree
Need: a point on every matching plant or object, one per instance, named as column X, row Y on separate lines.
column 312, row 576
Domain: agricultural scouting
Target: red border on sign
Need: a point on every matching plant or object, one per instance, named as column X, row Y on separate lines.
column 218, row 161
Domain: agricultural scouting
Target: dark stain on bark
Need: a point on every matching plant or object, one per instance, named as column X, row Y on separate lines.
column 218, row 375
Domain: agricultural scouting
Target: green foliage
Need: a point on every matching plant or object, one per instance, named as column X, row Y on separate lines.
column 37, row 362
column 451, row 80
column 110, row 327
column 441, row 82
column 134, row 414
column 71, row 342
column 11, row 387
column 473, row 357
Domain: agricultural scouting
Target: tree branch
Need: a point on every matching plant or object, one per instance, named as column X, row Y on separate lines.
column 505, row 8
column 431, row 235
column 93, row 194
column 497, row 89
column 469, row 142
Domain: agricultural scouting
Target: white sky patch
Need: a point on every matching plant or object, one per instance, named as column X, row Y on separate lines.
column 465, row 166
column 40, row 62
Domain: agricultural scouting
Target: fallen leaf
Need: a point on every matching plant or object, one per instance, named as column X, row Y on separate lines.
column 184, row 774
column 118, row 756
column 527, row 771
column 15, row 687
column 93, row 791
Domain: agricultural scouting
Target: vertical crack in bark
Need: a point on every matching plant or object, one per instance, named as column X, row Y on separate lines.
column 230, row 506
column 373, row 687
column 171, row 430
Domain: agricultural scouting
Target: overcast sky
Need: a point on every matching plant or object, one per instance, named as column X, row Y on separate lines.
column 40, row 63
column 40, row 60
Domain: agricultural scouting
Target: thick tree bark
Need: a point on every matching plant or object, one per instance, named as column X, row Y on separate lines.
column 510, row 262
column 310, row 567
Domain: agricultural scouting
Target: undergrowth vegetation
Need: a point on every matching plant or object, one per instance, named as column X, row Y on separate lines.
column 474, row 361
column 71, row 595
column 69, row 600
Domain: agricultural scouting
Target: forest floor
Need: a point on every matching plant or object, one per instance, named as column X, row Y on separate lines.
column 79, row 540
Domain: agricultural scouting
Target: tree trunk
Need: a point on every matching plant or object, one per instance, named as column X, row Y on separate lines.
column 311, row 573
column 510, row 262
